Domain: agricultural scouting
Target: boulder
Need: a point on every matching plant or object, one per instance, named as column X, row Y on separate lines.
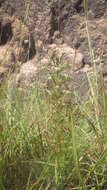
column 66, row 54
column 27, row 75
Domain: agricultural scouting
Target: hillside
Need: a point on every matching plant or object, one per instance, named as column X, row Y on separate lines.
column 53, row 94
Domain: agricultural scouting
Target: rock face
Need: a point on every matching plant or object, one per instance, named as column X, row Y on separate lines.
column 54, row 27
column 36, row 15
column 44, row 17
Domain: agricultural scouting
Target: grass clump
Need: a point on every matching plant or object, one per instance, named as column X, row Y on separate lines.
column 48, row 143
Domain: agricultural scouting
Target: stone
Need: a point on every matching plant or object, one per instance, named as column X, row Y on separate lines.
column 39, row 46
column 56, row 34
column 7, row 56
column 27, row 75
column 44, row 61
column 3, row 72
column 67, row 55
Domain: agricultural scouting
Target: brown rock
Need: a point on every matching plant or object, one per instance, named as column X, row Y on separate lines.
column 27, row 75
column 68, row 55
column 3, row 72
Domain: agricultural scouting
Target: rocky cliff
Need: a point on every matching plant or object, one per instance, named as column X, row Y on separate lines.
column 43, row 25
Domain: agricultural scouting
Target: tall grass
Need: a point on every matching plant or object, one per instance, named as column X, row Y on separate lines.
column 47, row 143
column 50, row 141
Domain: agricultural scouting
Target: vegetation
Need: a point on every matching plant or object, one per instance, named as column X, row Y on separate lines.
column 50, row 141
column 47, row 143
